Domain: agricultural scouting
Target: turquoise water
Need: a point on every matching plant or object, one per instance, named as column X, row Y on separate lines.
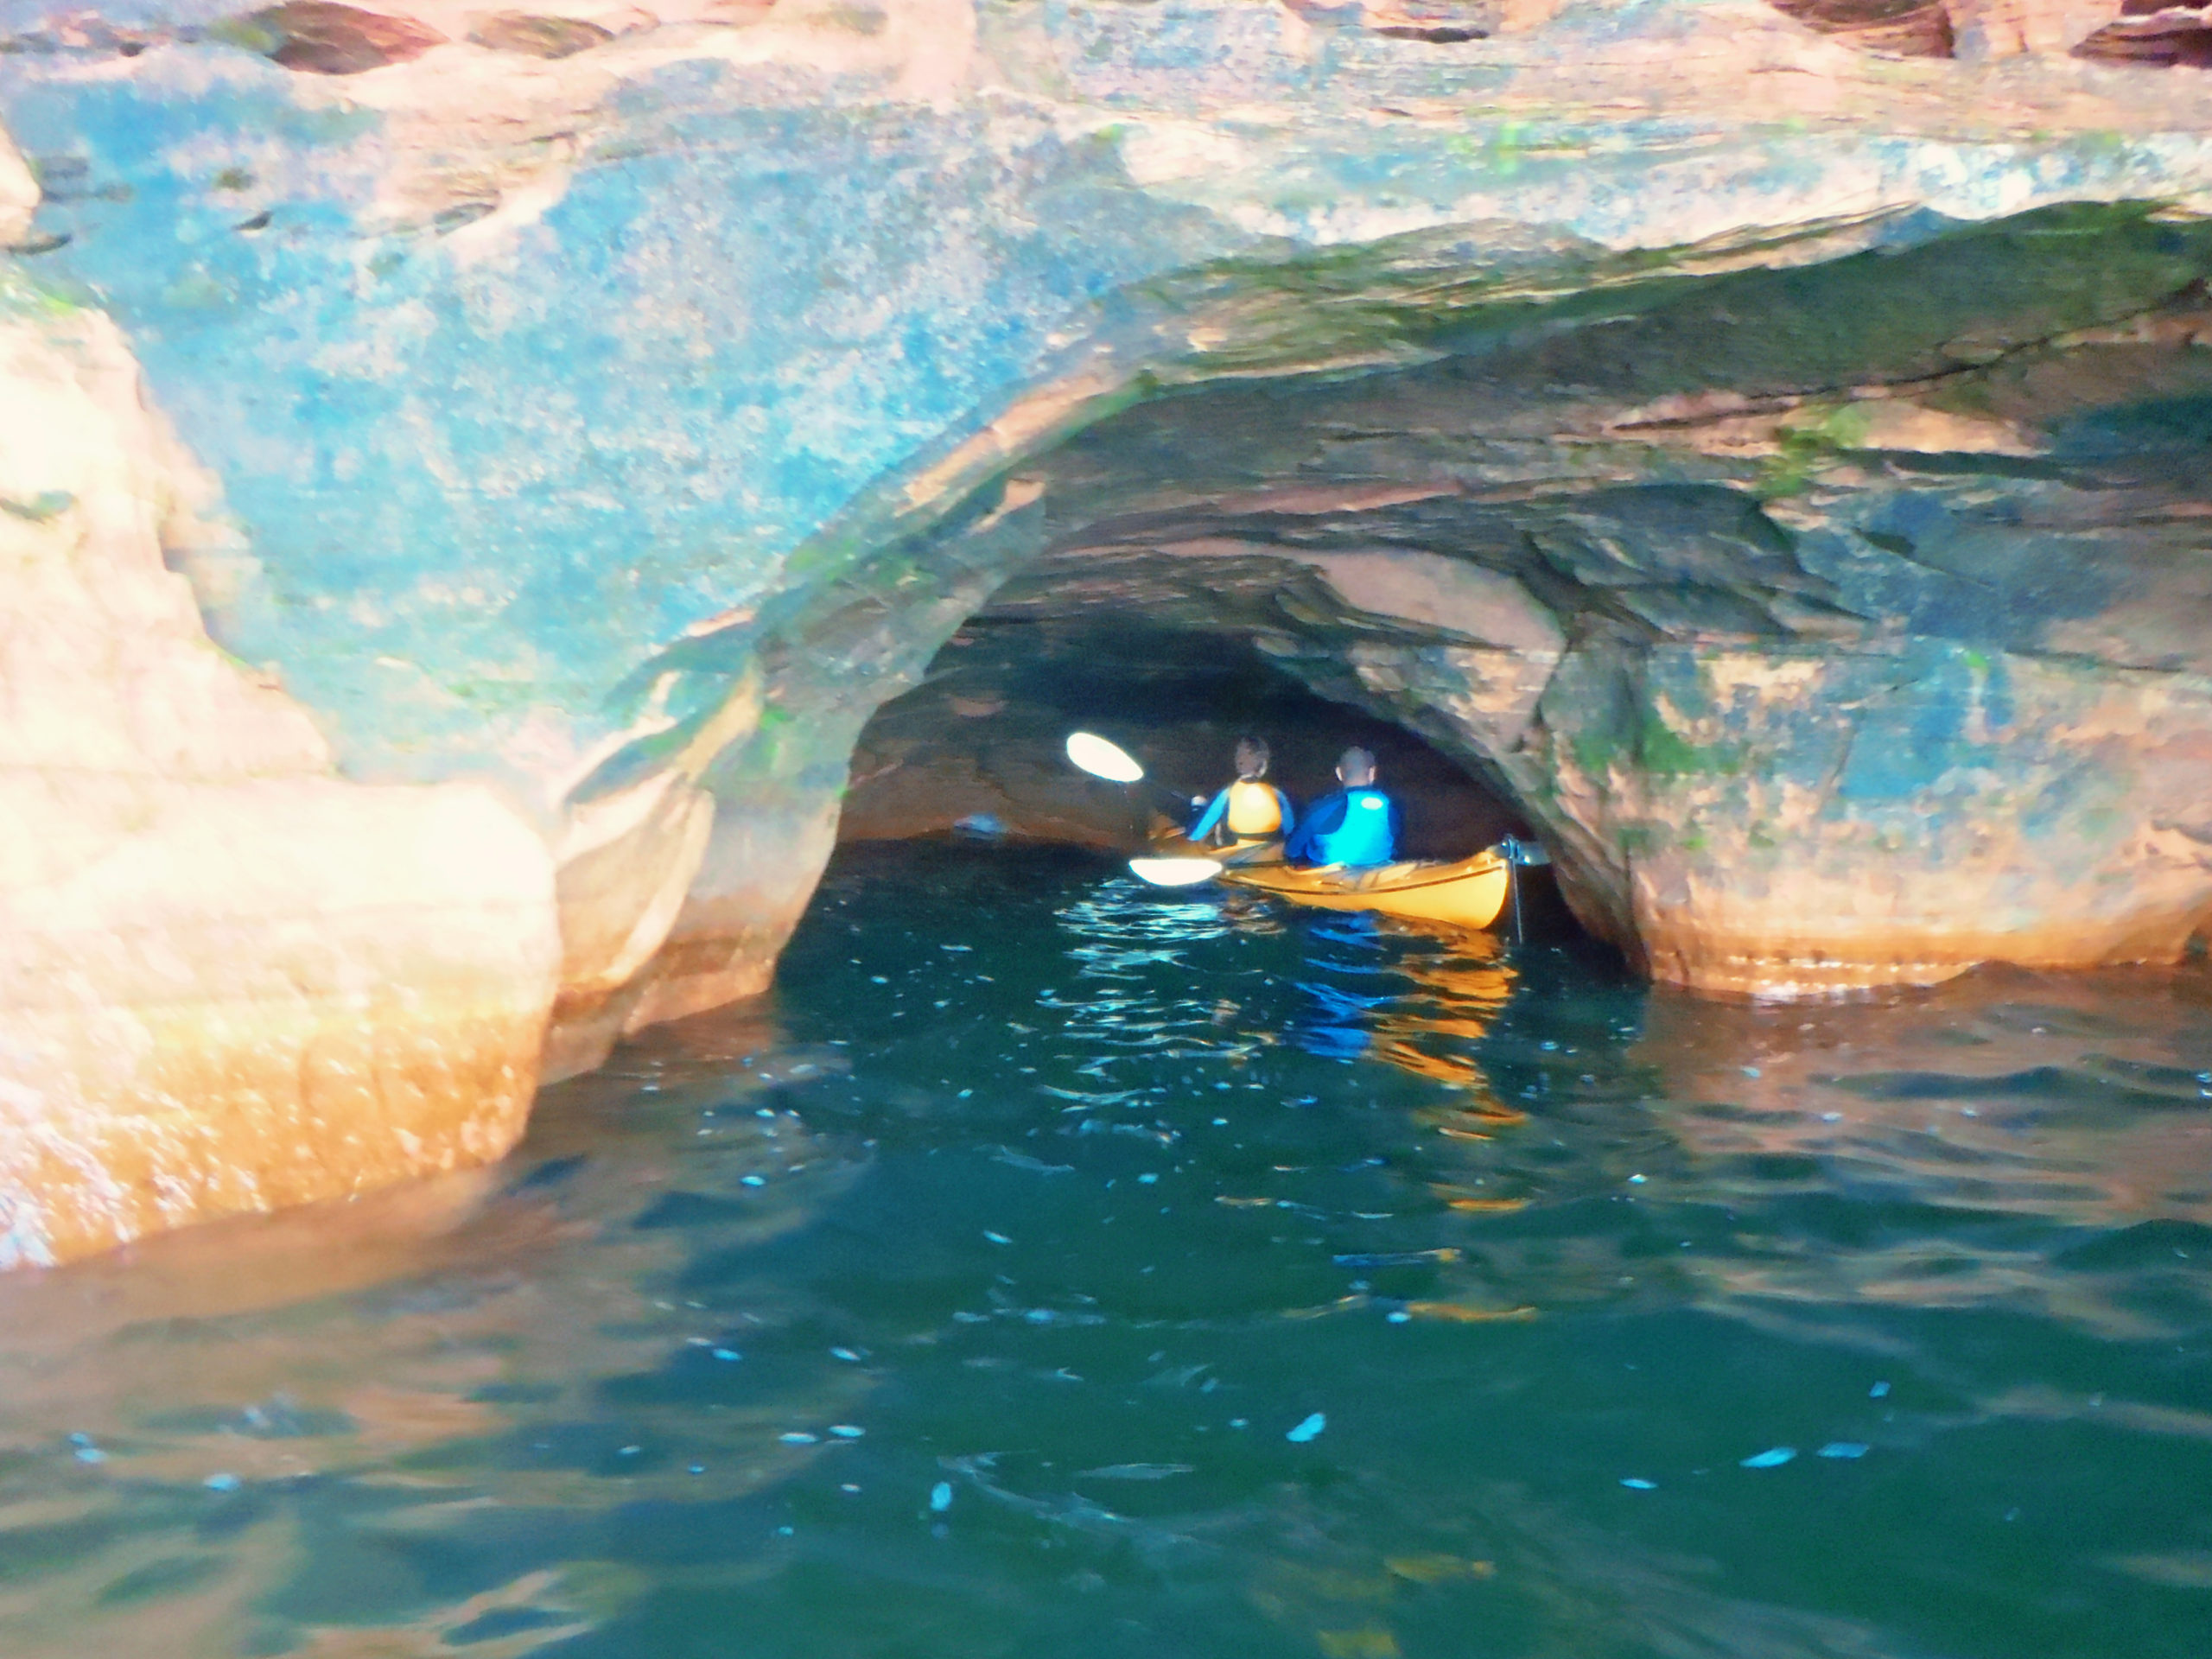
column 1056, row 1267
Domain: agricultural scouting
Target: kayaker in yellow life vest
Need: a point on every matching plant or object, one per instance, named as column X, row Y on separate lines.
column 1250, row 810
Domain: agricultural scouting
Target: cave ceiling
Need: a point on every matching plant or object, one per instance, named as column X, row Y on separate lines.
column 1993, row 435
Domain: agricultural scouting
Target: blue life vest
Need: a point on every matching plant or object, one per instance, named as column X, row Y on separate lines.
column 1365, row 835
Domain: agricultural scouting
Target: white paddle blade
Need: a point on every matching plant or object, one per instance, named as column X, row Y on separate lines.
column 1174, row 871
column 1103, row 759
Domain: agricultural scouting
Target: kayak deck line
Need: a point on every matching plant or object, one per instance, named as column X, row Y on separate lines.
column 1385, row 878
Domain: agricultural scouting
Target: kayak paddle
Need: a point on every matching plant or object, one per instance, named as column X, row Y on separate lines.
column 1174, row 871
column 1094, row 754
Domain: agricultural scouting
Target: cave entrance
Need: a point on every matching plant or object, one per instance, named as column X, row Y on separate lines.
column 977, row 747
column 1756, row 580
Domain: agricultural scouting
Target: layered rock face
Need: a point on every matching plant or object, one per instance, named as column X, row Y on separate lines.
column 1765, row 447
column 229, row 980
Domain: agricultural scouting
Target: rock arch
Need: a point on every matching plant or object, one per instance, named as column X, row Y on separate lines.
column 1805, row 611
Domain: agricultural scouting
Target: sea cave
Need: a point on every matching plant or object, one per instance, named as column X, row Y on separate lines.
column 580, row 1072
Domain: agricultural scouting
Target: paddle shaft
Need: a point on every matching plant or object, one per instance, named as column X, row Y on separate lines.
column 1173, row 803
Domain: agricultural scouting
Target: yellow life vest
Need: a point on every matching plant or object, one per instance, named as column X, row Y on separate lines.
column 1254, row 809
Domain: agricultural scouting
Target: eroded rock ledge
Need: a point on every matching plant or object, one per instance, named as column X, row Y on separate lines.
column 1770, row 455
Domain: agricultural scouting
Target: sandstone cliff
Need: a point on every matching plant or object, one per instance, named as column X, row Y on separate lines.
column 228, row 979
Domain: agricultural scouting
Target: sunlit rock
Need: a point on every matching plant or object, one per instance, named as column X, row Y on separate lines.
column 229, row 981
column 625, row 864
column 1996, row 29
column 18, row 196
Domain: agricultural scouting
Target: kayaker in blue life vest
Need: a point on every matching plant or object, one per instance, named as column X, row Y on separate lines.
column 1357, row 826
column 1250, row 810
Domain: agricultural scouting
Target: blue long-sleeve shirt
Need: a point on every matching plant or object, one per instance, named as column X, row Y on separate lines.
column 1357, row 827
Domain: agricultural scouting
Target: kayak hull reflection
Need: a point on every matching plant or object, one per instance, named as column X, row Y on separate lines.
column 1470, row 893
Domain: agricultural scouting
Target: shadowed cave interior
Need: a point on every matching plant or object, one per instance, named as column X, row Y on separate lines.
column 977, row 748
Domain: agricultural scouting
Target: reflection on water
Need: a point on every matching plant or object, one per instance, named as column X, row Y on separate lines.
column 964, row 1301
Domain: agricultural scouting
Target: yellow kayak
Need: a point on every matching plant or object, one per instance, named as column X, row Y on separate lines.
column 1468, row 893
